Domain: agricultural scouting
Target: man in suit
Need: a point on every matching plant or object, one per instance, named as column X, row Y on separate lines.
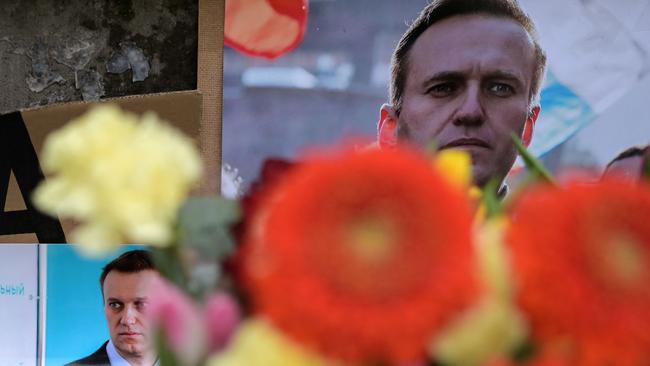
column 466, row 75
column 125, row 283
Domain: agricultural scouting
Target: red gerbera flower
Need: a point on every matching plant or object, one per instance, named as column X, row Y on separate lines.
column 364, row 256
column 582, row 260
column 272, row 170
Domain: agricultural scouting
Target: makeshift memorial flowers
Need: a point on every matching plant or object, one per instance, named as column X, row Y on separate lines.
column 361, row 257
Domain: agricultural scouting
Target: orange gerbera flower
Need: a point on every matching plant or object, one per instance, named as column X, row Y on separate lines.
column 582, row 259
column 364, row 256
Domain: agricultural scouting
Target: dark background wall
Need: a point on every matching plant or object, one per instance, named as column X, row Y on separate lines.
column 63, row 50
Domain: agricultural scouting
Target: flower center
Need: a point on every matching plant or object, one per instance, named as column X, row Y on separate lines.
column 372, row 239
column 624, row 259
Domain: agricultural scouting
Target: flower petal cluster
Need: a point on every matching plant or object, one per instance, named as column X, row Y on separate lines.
column 179, row 319
column 122, row 177
column 221, row 317
column 363, row 256
column 581, row 255
column 190, row 332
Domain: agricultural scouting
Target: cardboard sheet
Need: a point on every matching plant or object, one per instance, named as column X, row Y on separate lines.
column 23, row 133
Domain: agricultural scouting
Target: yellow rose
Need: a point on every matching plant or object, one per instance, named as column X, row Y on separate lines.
column 122, row 177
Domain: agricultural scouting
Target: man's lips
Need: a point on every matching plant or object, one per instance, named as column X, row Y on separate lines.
column 130, row 334
column 466, row 142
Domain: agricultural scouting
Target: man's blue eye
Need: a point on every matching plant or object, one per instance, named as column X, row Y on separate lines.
column 501, row 89
column 114, row 305
column 441, row 89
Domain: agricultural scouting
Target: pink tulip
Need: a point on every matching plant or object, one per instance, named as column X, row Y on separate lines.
column 222, row 316
column 176, row 315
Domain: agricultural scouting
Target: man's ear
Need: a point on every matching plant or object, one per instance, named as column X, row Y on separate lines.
column 529, row 126
column 387, row 127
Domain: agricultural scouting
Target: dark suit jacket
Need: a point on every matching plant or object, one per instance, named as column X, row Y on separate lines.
column 99, row 358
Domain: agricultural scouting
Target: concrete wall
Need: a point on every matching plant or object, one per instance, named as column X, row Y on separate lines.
column 63, row 50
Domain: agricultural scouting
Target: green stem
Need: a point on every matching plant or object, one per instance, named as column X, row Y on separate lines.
column 532, row 164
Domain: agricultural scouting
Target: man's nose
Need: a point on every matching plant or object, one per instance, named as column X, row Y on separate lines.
column 470, row 112
column 129, row 316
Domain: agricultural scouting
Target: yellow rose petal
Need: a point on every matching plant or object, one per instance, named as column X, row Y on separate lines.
column 456, row 165
column 257, row 343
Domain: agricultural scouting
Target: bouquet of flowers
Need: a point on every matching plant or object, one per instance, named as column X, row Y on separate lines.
column 361, row 257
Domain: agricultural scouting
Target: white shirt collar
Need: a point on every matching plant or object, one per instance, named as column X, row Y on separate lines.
column 117, row 359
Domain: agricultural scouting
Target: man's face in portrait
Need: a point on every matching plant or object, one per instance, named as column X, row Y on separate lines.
column 126, row 297
column 468, row 85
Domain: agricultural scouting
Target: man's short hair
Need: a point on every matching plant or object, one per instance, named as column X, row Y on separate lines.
column 442, row 9
column 628, row 153
column 129, row 262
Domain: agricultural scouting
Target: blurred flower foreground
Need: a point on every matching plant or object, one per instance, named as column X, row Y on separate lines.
column 360, row 257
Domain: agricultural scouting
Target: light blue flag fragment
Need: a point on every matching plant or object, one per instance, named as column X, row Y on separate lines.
column 597, row 50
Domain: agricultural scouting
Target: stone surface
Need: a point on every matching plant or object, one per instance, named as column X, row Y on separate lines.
column 63, row 50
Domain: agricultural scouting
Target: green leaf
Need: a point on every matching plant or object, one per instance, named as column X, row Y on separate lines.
column 165, row 354
column 168, row 262
column 204, row 225
column 204, row 278
column 493, row 204
column 535, row 167
column 524, row 352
